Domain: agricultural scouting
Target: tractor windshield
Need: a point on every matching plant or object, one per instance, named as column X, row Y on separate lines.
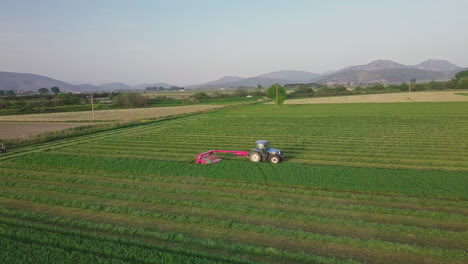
column 262, row 146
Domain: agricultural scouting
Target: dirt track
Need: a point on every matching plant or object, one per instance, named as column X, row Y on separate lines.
column 110, row 115
column 385, row 98
column 25, row 129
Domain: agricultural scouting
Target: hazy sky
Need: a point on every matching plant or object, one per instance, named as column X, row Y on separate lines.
column 187, row 42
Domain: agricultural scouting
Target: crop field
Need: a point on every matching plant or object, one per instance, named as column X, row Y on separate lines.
column 110, row 115
column 439, row 96
column 361, row 183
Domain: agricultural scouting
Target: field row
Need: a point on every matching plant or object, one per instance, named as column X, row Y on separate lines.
column 435, row 145
column 229, row 215
column 133, row 195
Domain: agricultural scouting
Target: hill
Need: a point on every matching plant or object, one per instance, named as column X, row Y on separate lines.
column 223, row 80
column 143, row 86
column 267, row 79
column 386, row 71
column 247, row 82
column 437, row 65
column 31, row 82
column 302, row 76
column 114, row 86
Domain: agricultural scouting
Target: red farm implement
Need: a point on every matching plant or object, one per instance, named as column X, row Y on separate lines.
column 261, row 152
column 209, row 157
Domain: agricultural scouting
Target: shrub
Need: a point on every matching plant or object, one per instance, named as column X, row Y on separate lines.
column 240, row 92
column 463, row 83
column 277, row 93
column 200, row 96
column 131, row 100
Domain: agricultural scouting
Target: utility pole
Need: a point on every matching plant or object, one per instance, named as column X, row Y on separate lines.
column 412, row 81
column 277, row 101
column 92, row 106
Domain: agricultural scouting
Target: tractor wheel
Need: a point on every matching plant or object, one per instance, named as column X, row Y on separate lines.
column 275, row 159
column 255, row 156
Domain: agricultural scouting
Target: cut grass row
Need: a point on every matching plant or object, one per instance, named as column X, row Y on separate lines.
column 399, row 141
column 260, row 191
column 91, row 222
column 230, row 231
column 402, row 142
column 32, row 243
column 400, row 181
column 300, row 218
column 117, row 184
column 88, row 199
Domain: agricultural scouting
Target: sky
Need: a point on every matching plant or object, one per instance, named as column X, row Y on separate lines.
column 189, row 42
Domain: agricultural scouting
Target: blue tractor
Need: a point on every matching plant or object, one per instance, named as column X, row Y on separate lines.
column 262, row 152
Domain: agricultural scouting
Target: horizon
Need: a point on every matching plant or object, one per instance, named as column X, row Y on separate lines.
column 98, row 83
column 185, row 43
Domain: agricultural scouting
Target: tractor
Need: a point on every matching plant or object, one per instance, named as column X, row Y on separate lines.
column 261, row 152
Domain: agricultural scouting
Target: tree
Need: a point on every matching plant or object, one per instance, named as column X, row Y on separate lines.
column 10, row 93
column 240, row 92
column 376, row 86
column 452, row 84
column 55, row 90
column 200, row 96
column 277, row 93
column 461, row 74
column 259, row 86
column 68, row 99
column 257, row 93
column 2, row 93
column 43, row 91
column 463, row 83
column 302, row 91
column 403, row 87
column 131, row 100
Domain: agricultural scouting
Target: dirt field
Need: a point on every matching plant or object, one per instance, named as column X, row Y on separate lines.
column 20, row 129
column 385, row 98
column 110, row 115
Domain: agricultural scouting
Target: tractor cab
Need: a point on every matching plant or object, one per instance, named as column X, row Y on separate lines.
column 263, row 152
column 261, row 146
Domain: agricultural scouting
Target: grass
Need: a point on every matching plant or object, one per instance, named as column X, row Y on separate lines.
column 397, row 181
column 416, row 136
column 348, row 191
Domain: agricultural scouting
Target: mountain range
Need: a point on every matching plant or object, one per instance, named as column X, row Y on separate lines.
column 384, row 71
column 32, row 82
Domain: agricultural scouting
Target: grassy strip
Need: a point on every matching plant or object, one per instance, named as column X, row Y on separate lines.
column 271, row 199
column 397, row 181
column 203, row 187
column 264, row 189
column 231, row 230
column 259, row 215
column 93, row 247
column 136, row 233
column 120, row 130
column 304, row 203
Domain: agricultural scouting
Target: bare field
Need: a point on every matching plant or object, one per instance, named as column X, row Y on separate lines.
column 111, row 115
column 444, row 96
column 26, row 129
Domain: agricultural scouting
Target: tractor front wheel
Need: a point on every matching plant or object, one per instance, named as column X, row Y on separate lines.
column 275, row 159
column 255, row 156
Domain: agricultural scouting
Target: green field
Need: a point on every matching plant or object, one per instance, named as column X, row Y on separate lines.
column 362, row 183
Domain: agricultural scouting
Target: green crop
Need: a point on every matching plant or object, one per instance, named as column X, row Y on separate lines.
column 370, row 183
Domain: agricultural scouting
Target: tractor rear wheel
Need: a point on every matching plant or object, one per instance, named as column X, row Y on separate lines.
column 255, row 156
column 275, row 159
